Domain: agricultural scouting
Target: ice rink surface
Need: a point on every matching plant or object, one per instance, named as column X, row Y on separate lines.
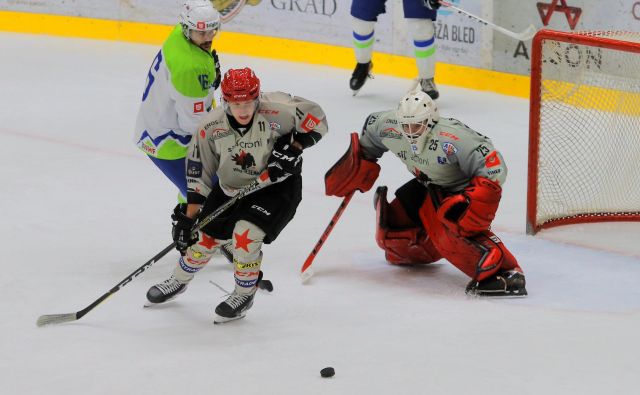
column 83, row 208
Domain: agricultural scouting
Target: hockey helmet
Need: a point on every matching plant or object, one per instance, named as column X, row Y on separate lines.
column 239, row 85
column 199, row 15
column 417, row 113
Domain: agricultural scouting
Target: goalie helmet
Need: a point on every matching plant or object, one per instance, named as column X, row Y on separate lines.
column 417, row 113
column 199, row 15
column 239, row 85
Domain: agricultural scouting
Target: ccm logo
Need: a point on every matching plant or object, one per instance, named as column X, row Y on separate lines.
column 282, row 156
column 262, row 210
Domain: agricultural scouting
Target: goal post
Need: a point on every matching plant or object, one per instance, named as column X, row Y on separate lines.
column 584, row 128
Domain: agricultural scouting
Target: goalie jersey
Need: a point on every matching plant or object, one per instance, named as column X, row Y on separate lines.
column 452, row 155
column 238, row 157
column 178, row 93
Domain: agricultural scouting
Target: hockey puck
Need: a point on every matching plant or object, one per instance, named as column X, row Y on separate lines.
column 266, row 285
column 327, row 372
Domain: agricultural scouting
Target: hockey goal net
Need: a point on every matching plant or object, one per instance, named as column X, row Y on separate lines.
column 584, row 128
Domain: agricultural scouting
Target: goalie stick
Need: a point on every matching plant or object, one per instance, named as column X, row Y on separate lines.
column 306, row 271
column 525, row 35
column 48, row 319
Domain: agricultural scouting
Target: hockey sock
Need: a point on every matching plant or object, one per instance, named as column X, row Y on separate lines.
column 422, row 31
column 363, row 39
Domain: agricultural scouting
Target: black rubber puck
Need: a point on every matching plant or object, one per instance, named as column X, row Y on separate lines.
column 327, row 372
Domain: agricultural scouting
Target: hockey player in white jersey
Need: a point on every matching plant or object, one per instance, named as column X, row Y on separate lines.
column 251, row 132
column 179, row 91
column 446, row 210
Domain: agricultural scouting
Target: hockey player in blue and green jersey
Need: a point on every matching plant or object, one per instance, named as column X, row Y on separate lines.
column 179, row 91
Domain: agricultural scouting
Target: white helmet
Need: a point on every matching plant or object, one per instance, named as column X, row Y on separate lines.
column 199, row 15
column 417, row 108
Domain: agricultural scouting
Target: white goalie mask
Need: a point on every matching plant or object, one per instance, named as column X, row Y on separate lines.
column 417, row 113
column 199, row 15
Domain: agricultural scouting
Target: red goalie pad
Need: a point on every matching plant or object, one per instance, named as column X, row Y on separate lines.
column 472, row 211
column 351, row 172
column 479, row 257
column 402, row 241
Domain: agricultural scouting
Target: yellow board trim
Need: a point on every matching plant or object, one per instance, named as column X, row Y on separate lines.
column 263, row 46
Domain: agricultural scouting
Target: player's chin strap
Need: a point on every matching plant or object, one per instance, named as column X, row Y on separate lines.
column 261, row 182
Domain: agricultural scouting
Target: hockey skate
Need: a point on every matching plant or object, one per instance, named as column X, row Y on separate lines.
column 236, row 305
column 165, row 291
column 359, row 76
column 505, row 284
column 428, row 86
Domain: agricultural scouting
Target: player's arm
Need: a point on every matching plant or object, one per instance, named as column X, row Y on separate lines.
column 202, row 164
column 473, row 210
column 310, row 123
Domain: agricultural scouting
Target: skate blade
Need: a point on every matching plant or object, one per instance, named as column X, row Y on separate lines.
column 223, row 320
column 498, row 295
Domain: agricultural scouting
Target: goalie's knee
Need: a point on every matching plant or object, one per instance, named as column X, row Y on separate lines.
column 402, row 240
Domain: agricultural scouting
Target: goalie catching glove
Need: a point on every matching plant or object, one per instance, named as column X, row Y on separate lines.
column 181, row 230
column 473, row 210
column 285, row 159
column 351, row 172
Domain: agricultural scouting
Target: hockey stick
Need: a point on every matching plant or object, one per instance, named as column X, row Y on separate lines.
column 306, row 271
column 48, row 319
column 525, row 35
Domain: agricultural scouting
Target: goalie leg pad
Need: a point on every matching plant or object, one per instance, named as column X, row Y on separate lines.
column 401, row 239
column 351, row 172
column 479, row 257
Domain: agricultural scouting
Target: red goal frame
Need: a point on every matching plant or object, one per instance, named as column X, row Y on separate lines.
column 534, row 127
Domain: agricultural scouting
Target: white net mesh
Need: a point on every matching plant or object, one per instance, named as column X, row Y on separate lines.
column 589, row 146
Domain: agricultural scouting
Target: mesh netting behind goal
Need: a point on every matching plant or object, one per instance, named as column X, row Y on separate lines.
column 584, row 142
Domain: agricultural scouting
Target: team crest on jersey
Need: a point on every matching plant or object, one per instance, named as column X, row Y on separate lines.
column 309, row 123
column 198, row 107
column 449, row 149
column 244, row 159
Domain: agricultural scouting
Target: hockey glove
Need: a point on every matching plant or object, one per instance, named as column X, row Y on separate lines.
column 216, row 62
column 432, row 4
column 181, row 230
column 472, row 211
column 285, row 159
column 351, row 172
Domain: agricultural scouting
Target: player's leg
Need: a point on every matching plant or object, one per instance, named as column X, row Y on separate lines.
column 258, row 218
column 194, row 259
column 365, row 14
column 399, row 231
column 483, row 257
column 175, row 171
column 420, row 22
column 247, row 258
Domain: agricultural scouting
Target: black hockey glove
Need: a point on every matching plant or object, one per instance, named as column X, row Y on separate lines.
column 216, row 62
column 181, row 230
column 432, row 4
column 285, row 159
